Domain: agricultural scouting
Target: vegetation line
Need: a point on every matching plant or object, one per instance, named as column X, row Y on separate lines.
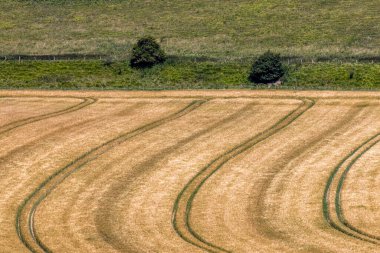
column 184, row 58
column 183, row 204
column 338, row 200
column 341, row 224
column 25, row 214
column 119, row 75
column 12, row 125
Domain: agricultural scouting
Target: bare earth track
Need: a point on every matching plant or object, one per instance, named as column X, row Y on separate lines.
column 189, row 171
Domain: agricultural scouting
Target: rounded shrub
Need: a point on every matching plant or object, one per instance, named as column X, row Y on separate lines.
column 147, row 53
column 267, row 69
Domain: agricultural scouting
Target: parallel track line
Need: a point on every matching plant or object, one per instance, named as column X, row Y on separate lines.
column 162, row 155
column 261, row 224
column 339, row 175
column 19, row 123
column 27, row 209
column 338, row 199
column 183, row 204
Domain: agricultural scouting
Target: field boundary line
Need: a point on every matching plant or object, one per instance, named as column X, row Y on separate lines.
column 18, row 123
column 26, row 210
column 338, row 176
column 152, row 95
column 254, row 96
column 183, row 204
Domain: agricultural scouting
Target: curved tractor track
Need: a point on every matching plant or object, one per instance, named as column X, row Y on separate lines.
column 25, row 215
column 332, row 201
column 189, row 171
column 183, row 204
column 19, row 123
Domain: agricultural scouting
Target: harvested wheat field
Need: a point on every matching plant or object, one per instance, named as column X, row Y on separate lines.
column 189, row 171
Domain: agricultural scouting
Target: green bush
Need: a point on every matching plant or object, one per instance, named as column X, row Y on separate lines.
column 147, row 53
column 267, row 69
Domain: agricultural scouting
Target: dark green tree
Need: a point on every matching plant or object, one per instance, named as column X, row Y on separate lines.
column 267, row 69
column 146, row 53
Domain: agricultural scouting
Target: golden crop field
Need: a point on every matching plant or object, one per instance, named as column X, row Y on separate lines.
column 189, row 171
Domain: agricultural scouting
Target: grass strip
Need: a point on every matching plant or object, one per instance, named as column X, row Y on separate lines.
column 173, row 75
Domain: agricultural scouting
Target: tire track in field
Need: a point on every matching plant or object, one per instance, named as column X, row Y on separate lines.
column 103, row 226
column 87, row 123
column 25, row 214
column 262, row 224
column 338, row 200
column 57, row 131
column 183, row 204
column 337, row 178
column 13, row 125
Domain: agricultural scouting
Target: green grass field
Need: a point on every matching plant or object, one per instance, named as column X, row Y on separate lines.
column 180, row 75
column 211, row 44
column 220, row 29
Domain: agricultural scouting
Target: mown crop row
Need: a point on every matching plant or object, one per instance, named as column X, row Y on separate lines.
column 166, row 178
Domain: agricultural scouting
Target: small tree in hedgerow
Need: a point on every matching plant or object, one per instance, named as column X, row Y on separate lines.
column 267, row 69
column 147, row 53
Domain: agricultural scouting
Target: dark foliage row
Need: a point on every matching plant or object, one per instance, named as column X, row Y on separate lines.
column 266, row 69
